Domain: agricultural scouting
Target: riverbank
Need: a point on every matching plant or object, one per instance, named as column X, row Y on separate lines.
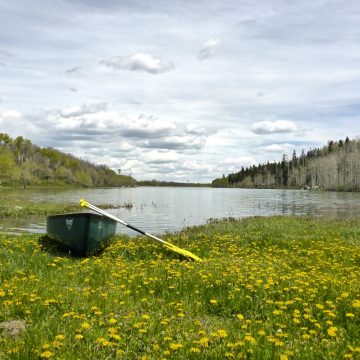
column 11, row 211
column 269, row 288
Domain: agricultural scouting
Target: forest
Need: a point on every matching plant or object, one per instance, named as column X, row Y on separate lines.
column 170, row 183
column 23, row 163
column 336, row 166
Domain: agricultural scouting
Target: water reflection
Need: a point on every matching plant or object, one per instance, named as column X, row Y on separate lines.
column 158, row 210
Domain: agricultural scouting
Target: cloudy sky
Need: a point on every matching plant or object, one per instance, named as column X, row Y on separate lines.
column 180, row 90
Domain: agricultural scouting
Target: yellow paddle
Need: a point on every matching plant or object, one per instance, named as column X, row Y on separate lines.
column 172, row 247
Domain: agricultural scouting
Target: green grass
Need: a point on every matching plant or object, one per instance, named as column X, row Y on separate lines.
column 35, row 208
column 268, row 288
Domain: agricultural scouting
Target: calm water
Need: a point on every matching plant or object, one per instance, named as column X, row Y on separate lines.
column 161, row 209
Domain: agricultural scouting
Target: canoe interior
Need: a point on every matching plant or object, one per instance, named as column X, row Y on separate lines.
column 82, row 233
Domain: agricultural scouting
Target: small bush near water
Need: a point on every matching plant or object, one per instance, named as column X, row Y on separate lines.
column 268, row 288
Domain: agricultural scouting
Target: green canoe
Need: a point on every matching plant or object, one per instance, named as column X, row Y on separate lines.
column 82, row 233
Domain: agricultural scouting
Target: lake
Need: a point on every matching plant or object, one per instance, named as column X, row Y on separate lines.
column 161, row 209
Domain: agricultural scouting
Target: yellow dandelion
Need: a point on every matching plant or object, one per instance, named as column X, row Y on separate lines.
column 57, row 343
column 204, row 341
column 112, row 321
column 85, row 325
column 195, row 350
column 350, row 315
column 356, row 304
column 213, row 301
column 46, row 354
column 240, row 316
column 112, row 330
column 229, row 354
column 79, row 337
column 222, row 333
column 115, row 337
column 250, row 339
column 332, row 331
column 175, row 346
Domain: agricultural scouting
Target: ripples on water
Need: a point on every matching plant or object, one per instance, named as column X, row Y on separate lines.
column 161, row 209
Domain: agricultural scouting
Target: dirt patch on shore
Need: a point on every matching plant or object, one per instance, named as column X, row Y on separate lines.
column 13, row 327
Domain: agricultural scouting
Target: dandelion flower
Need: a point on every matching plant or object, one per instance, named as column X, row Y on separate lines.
column 46, row 354
column 222, row 333
column 175, row 346
column 204, row 341
column 332, row 331
column 85, row 325
column 240, row 316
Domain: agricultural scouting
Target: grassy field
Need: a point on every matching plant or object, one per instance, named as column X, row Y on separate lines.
column 268, row 288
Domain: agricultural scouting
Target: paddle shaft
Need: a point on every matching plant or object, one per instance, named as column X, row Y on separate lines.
column 110, row 216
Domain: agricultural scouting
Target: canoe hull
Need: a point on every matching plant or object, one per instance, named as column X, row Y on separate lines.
column 82, row 233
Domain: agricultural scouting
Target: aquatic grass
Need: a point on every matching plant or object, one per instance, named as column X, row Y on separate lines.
column 269, row 288
column 8, row 210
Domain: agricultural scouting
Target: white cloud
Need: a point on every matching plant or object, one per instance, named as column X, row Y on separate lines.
column 196, row 129
column 277, row 148
column 271, row 127
column 73, row 70
column 11, row 113
column 157, row 157
column 139, row 62
column 83, row 109
column 209, row 48
column 231, row 165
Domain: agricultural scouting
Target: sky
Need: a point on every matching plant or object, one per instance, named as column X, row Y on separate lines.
column 180, row 90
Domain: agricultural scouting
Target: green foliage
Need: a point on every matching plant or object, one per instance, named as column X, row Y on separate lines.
column 23, row 163
column 221, row 182
column 7, row 163
column 334, row 167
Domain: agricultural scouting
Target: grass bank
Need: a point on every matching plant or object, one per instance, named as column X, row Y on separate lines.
column 269, row 288
column 27, row 208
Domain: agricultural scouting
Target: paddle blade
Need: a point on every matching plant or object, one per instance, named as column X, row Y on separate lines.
column 182, row 252
column 84, row 203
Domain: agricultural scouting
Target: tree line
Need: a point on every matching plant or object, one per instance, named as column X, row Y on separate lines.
column 23, row 163
column 336, row 166
column 170, row 183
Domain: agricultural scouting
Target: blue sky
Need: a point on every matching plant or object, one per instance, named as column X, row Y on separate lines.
column 180, row 90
